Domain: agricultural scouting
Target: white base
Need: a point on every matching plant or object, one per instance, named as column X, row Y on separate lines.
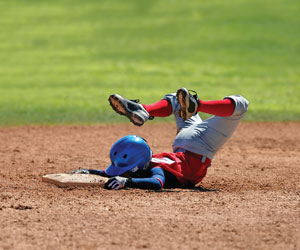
column 67, row 180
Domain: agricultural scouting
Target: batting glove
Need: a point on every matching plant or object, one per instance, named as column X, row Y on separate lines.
column 117, row 182
column 80, row 171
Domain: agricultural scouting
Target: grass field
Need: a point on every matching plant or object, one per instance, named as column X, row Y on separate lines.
column 60, row 60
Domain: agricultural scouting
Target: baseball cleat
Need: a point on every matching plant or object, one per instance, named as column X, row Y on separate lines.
column 188, row 103
column 136, row 113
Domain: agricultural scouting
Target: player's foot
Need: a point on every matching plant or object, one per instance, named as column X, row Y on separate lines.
column 136, row 113
column 188, row 103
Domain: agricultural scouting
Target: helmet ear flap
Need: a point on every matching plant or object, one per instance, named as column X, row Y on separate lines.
column 135, row 169
column 138, row 172
column 148, row 163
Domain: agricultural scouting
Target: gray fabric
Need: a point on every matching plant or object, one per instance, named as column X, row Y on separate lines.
column 206, row 137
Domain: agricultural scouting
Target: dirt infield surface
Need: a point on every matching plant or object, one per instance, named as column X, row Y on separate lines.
column 250, row 198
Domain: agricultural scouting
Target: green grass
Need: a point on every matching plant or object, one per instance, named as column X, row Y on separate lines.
column 60, row 60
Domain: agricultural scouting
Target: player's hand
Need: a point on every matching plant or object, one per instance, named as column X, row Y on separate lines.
column 80, row 171
column 117, row 182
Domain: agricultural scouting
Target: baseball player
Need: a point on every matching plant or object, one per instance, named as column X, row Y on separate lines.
column 194, row 146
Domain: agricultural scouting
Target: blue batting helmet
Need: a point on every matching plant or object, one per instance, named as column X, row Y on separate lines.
column 130, row 153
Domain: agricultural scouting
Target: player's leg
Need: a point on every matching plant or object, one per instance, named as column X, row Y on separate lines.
column 207, row 137
column 185, row 106
column 190, row 104
column 162, row 108
column 138, row 113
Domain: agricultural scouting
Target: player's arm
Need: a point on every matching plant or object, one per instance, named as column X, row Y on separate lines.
column 155, row 181
column 98, row 172
column 90, row 171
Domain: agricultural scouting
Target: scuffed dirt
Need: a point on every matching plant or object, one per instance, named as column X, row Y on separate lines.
column 250, row 198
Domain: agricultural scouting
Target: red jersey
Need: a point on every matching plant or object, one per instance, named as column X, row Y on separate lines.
column 189, row 168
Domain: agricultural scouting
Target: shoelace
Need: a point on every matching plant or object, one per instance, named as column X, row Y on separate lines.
column 195, row 95
column 136, row 100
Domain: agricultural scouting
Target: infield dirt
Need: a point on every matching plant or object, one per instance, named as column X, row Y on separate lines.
column 250, row 198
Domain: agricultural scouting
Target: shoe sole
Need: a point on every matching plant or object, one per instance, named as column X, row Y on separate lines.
column 182, row 97
column 118, row 106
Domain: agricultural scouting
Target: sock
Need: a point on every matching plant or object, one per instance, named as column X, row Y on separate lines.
column 161, row 108
column 223, row 107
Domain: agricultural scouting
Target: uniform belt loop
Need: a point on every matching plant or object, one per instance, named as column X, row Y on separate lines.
column 203, row 159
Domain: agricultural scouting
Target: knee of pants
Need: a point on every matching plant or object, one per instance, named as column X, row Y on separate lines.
column 241, row 104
